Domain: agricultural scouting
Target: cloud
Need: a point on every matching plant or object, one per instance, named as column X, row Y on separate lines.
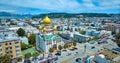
column 63, row 5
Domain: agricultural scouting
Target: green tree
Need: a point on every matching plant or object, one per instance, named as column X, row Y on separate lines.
column 28, row 55
column 5, row 59
column 24, row 46
column 87, row 24
column 21, row 32
column 60, row 47
column 83, row 32
column 31, row 39
column 35, row 54
column 51, row 50
column 95, row 38
column 66, row 46
column 19, row 59
column 117, row 36
column 69, row 45
column 74, row 43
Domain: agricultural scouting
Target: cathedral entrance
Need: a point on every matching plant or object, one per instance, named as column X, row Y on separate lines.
column 55, row 47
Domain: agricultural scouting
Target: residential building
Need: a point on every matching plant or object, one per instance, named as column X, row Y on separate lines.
column 112, row 27
column 81, row 38
column 24, row 40
column 10, row 46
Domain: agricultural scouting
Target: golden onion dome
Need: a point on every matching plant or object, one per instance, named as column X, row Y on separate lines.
column 54, row 28
column 40, row 28
column 46, row 20
column 44, row 29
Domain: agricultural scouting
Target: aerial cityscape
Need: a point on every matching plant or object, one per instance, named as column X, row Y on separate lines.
column 59, row 31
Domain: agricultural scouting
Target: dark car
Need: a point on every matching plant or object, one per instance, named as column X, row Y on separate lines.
column 27, row 61
column 34, row 59
column 50, row 55
column 41, row 58
column 92, row 47
column 58, row 54
column 64, row 50
column 56, row 58
column 72, row 49
column 77, row 59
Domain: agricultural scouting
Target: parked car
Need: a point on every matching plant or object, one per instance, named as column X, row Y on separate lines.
column 56, row 58
column 64, row 50
column 58, row 54
column 27, row 61
column 34, row 59
column 77, row 59
column 72, row 49
column 75, row 48
column 92, row 47
column 50, row 55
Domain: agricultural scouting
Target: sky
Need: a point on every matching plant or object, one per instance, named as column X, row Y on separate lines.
column 67, row 6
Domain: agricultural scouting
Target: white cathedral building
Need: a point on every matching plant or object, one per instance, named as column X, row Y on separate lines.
column 47, row 37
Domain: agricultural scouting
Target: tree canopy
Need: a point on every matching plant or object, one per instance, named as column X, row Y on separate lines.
column 117, row 36
column 35, row 54
column 74, row 43
column 28, row 55
column 51, row 50
column 5, row 59
column 24, row 46
column 21, row 32
column 60, row 47
column 31, row 39
column 66, row 46
column 83, row 32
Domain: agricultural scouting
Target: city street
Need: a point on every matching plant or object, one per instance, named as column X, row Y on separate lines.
column 89, row 51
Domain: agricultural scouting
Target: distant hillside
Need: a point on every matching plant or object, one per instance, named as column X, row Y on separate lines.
column 12, row 15
column 6, row 14
column 69, row 15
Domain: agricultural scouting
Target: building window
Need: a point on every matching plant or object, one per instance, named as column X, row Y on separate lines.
column 6, row 48
column 11, row 55
column 10, row 51
column 5, row 43
column 10, row 43
column 17, row 54
column 17, row 50
column 16, row 42
column 16, row 46
column 7, row 52
column 10, row 47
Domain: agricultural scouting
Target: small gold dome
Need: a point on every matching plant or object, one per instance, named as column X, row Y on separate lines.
column 46, row 20
column 40, row 28
column 44, row 29
column 54, row 28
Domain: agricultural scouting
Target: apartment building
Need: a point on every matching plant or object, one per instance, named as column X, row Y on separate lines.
column 10, row 47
